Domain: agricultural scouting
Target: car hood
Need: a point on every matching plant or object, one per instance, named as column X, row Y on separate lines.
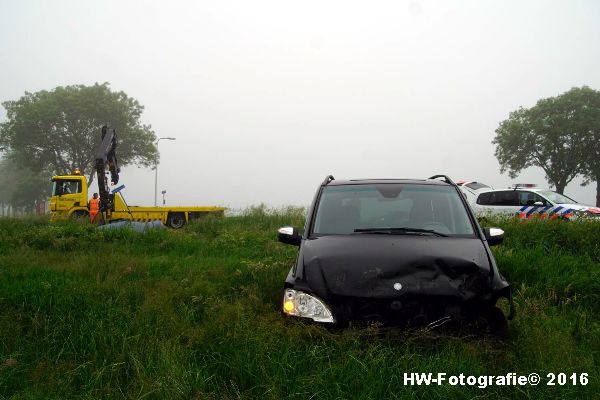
column 391, row 266
column 580, row 207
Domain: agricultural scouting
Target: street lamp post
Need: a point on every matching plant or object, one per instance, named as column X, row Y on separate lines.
column 156, row 167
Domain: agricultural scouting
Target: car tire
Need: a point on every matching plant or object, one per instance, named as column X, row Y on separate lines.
column 497, row 323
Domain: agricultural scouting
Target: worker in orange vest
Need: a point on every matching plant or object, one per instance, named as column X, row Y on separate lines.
column 94, row 206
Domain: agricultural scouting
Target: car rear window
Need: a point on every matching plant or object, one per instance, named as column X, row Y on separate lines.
column 344, row 208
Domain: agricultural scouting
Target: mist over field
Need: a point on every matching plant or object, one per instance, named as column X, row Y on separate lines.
column 265, row 98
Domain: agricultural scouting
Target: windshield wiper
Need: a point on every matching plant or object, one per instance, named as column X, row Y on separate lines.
column 400, row 231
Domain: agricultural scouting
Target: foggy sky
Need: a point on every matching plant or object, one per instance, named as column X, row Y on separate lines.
column 266, row 98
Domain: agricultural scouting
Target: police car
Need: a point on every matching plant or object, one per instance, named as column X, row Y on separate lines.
column 527, row 201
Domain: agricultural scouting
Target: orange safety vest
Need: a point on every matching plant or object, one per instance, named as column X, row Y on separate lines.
column 94, row 206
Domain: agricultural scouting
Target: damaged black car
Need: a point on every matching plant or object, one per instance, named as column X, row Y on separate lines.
column 399, row 252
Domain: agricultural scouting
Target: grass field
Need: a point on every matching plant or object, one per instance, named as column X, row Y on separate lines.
column 195, row 314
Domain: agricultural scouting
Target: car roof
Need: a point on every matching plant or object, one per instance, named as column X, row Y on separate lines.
column 523, row 189
column 341, row 182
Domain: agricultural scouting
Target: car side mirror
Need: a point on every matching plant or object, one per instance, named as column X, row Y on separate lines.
column 538, row 203
column 289, row 235
column 493, row 236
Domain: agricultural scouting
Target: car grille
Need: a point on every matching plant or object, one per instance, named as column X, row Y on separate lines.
column 413, row 311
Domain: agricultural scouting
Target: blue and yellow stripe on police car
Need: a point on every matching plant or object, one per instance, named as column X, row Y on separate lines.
column 550, row 212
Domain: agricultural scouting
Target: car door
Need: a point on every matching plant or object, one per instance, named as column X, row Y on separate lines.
column 531, row 203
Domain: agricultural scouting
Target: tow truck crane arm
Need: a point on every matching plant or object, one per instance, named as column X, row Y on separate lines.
column 106, row 156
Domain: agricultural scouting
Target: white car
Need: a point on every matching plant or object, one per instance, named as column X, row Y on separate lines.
column 527, row 201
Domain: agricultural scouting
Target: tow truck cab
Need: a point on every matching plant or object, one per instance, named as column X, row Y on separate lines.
column 69, row 195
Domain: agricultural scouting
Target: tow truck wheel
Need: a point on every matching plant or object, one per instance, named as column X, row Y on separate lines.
column 176, row 220
column 79, row 215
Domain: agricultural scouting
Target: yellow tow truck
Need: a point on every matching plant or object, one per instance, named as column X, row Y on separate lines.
column 70, row 195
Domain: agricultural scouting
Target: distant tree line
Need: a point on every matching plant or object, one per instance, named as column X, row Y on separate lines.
column 53, row 132
column 21, row 190
column 559, row 134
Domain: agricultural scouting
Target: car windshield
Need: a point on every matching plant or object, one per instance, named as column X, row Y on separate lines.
column 60, row 187
column 556, row 197
column 392, row 208
column 476, row 185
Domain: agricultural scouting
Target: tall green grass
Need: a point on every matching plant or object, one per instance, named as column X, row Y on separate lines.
column 87, row 313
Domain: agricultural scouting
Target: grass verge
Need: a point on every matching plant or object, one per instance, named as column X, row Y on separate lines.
column 195, row 314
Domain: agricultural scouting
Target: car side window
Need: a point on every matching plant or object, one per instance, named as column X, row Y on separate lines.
column 500, row 198
column 530, row 198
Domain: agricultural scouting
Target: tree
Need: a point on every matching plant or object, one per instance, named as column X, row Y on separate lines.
column 591, row 167
column 20, row 187
column 59, row 130
column 6, row 189
column 551, row 135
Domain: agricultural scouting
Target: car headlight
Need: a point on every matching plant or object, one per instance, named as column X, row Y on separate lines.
column 300, row 304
